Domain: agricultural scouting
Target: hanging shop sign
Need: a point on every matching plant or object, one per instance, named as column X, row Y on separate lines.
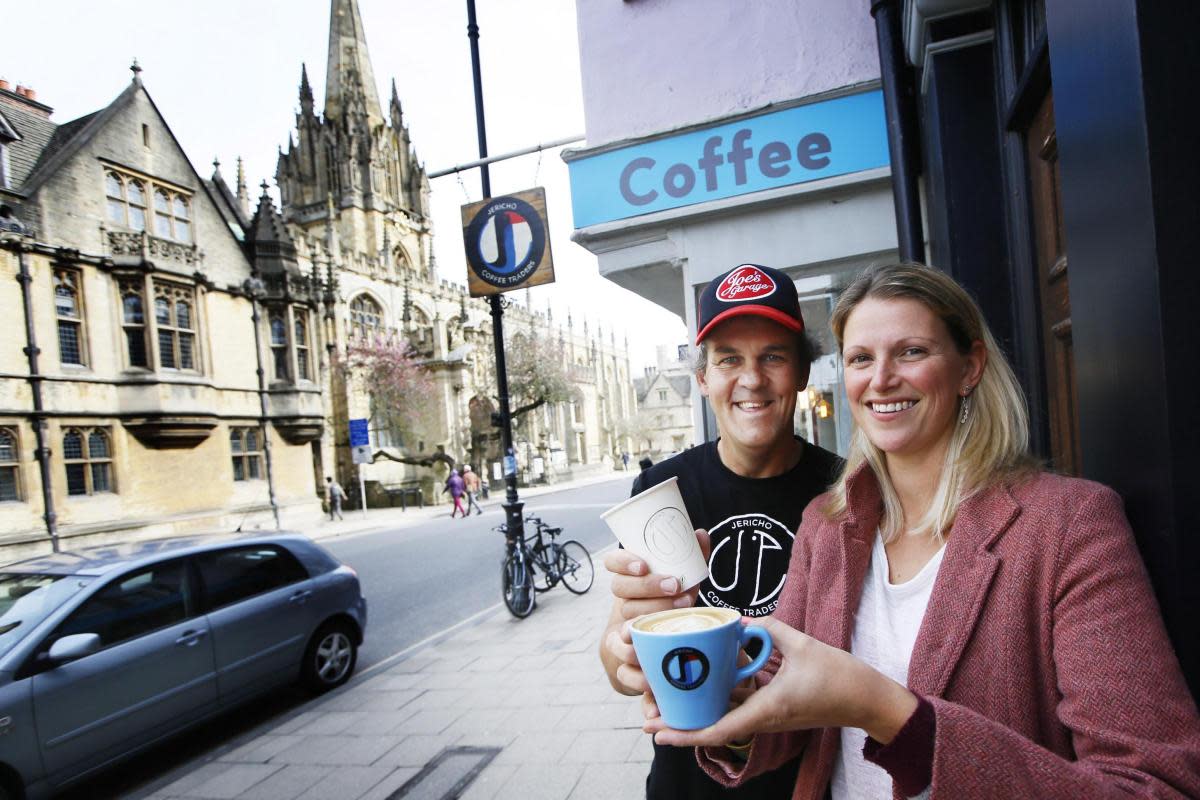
column 507, row 240
column 779, row 148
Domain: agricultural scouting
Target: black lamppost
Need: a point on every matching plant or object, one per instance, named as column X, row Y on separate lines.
column 512, row 506
column 254, row 289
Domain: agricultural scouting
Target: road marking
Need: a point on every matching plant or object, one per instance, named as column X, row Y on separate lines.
column 398, row 656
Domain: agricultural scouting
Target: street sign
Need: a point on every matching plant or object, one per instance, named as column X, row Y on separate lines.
column 507, row 243
column 360, row 442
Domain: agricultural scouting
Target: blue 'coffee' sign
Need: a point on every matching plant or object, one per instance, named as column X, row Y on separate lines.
column 780, row 148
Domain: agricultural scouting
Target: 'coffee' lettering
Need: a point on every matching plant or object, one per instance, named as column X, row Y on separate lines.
column 812, row 152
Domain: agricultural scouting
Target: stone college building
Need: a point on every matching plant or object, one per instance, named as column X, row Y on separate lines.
column 174, row 360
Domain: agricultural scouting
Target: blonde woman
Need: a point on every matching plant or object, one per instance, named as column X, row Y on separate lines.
column 956, row 622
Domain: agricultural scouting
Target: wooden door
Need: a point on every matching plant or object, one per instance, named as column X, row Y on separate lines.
column 1053, row 288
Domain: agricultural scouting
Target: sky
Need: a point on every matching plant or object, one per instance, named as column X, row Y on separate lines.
column 226, row 74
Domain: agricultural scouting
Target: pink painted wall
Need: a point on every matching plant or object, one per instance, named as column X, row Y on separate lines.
column 655, row 65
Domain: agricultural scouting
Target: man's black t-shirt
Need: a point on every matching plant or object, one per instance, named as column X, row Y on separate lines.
column 752, row 523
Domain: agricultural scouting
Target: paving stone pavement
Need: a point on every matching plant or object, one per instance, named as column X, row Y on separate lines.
column 528, row 693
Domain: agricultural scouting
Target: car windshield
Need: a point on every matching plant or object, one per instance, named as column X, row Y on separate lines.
column 27, row 599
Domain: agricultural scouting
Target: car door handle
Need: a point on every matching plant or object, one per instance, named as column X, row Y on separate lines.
column 190, row 638
column 300, row 596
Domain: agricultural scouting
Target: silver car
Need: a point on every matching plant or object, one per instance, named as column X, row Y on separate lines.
column 108, row 650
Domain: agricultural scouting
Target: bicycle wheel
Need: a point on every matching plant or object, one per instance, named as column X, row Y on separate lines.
column 518, row 588
column 545, row 568
column 575, row 564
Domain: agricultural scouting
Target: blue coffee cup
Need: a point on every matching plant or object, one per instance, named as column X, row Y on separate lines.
column 689, row 657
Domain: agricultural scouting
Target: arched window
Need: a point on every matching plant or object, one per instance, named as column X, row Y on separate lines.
column 87, row 456
column 301, row 338
column 365, row 316
column 128, row 200
column 69, row 310
column 133, row 322
column 182, row 218
column 246, row 453
column 10, row 462
column 176, row 329
column 279, row 344
column 162, row 213
column 332, row 184
column 135, row 199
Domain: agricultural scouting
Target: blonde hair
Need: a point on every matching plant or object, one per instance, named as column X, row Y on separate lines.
column 991, row 447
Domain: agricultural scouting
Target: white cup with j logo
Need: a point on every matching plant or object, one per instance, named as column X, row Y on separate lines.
column 655, row 525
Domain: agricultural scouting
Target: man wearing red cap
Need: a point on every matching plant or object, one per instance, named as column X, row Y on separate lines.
column 748, row 489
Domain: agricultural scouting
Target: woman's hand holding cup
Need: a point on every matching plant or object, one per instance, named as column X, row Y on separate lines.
column 816, row 686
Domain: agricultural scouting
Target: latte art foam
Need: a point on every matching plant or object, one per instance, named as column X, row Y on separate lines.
column 685, row 620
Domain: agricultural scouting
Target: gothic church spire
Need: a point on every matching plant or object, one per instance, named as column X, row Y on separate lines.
column 349, row 79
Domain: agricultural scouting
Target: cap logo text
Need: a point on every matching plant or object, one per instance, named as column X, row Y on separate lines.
column 745, row 283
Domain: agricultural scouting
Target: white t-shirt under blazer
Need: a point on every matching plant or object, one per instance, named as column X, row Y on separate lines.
column 885, row 629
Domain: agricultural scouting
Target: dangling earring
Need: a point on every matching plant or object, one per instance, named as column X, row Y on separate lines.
column 966, row 406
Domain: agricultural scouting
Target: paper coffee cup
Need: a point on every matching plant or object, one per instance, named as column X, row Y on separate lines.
column 655, row 525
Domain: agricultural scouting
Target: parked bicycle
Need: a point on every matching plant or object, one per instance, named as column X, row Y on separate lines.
column 538, row 563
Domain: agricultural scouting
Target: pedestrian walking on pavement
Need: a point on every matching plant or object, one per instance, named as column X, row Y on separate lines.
column 471, row 484
column 334, row 494
column 456, row 487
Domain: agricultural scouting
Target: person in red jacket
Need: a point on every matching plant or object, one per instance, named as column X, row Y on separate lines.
column 956, row 622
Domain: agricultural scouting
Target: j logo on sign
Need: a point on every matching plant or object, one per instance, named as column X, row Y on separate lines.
column 747, row 282
column 505, row 241
column 685, row 667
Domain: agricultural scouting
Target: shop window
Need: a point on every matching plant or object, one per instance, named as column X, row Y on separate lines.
column 245, row 448
column 68, row 309
column 10, row 463
column 87, row 456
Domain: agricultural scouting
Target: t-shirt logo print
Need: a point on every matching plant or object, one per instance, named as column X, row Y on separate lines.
column 748, row 564
column 747, row 282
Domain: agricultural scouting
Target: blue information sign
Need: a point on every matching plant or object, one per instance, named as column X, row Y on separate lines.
column 779, row 148
column 359, row 435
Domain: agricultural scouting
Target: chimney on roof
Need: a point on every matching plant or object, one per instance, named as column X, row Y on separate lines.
column 24, row 98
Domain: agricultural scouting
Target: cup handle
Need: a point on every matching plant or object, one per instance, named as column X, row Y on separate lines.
column 754, row 632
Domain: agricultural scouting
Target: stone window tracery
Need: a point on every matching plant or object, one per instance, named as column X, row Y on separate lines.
column 10, row 463
column 173, row 317
column 300, row 337
column 365, row 316
column 68, row 308
column 87, row 456
column 127, row 203
column 246, row 450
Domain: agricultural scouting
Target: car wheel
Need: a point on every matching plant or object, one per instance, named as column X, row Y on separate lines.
column 330, row 657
